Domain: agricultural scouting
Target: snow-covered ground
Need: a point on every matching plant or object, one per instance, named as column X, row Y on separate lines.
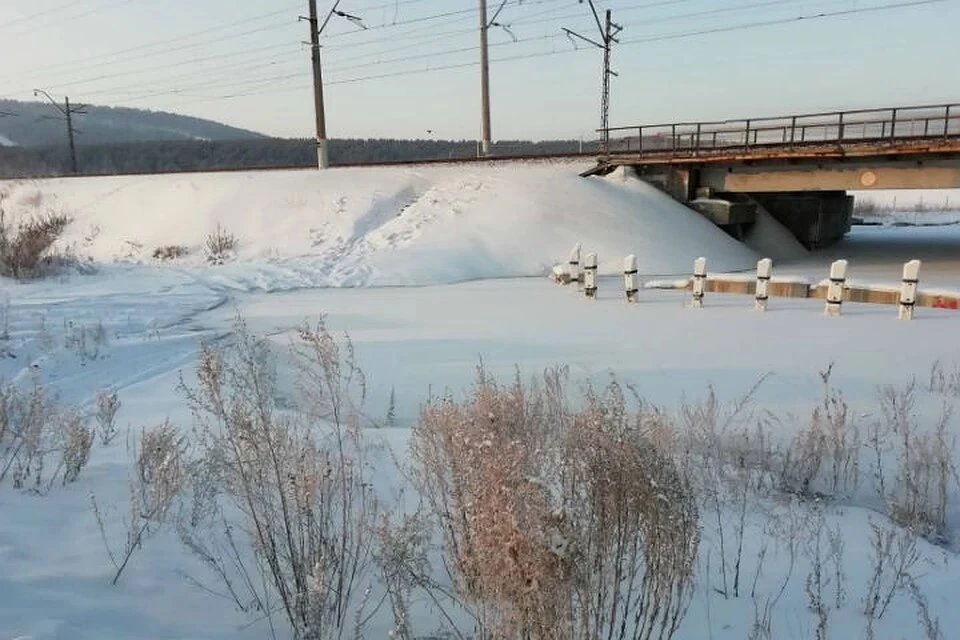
column 467, row 240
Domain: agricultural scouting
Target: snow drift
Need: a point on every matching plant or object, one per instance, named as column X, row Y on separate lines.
column 414, row 225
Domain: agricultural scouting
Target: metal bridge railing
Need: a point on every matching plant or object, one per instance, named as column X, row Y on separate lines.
column 693, row 139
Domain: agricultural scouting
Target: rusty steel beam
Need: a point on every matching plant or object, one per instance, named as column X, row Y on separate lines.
column 937, row 147
column 837, row 178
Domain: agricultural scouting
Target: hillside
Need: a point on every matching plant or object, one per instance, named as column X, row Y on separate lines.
column 32, row 126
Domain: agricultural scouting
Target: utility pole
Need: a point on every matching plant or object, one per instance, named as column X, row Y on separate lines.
column 323, row 156
column 608, row 37
column 485, row 25
column 73, row 147
column 67, row 112
column 484, row 81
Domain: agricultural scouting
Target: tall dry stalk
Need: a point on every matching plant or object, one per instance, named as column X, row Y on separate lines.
column 298, row 481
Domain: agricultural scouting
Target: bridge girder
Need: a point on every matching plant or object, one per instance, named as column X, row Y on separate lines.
column 857, row 176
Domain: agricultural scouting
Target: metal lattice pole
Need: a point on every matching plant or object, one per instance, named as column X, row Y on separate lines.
column 608, row 37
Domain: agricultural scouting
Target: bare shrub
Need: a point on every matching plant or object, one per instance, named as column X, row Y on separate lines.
column 158, row 474
column 789, row 526
column 728, row 463
column 40, row 442
column 296, row 482
column 5, row 318
column 87, row 341
column 835, row 551
column 76, row 443
column 943, row 381
column 929, row 624
column 468, row 488
column 171, row 252
column 824, row 548
column 894, row 555
column 824, row 458
column 558, row 524
column 219, row 245
column 25, row 250
column 401, row 556
column 107, row 406
column 917, row 496
column 633, row 516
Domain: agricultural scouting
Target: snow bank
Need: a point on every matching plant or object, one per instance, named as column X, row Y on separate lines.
column 415, row 225
column 6, row 142
column 771, row 239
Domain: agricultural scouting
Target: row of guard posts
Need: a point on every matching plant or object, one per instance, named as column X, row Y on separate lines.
column 585, row 274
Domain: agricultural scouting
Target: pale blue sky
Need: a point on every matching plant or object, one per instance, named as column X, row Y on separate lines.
column 242, row 61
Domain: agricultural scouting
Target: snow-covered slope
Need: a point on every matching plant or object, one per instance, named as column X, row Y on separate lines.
column 6, row 142
column 389, row 226
column 770, row 238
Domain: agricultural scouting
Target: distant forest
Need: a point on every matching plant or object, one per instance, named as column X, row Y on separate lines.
column 191, row 155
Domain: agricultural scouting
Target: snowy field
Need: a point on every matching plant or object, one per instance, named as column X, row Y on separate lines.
column 432, row 270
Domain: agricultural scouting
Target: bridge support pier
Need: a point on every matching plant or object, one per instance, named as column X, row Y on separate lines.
column 679, row 183
column 817, row 218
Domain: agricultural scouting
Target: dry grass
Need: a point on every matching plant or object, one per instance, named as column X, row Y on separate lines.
column 894, row 554
column 220, row 245
column 158, row 475
column 41, row 442
column 558, row 523
column 824, row 458
column 917, row 495
column 944, row 381
column 170, row 252
column 402, row 556
column 87, row 341
column 107, row 406
column 25, row 250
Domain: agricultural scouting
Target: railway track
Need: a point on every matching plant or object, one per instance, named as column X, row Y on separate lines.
column 592, row 156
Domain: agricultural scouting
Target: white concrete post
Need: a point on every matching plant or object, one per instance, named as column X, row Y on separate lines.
column 575, row 275
column 838, row 277
column 630, row 277
column 559, row 275
column 764, row 269
column 699, row 282
column 908, row 289
column 590, row 275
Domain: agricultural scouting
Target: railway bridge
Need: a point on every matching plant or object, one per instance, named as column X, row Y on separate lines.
column 798, row 167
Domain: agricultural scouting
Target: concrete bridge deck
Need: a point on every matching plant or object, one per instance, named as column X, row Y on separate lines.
column 799, row 167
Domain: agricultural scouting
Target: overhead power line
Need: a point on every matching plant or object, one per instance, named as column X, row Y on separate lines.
column 63, row 16
column 465, row 13
column 119, row 56
column 39, row 14
column 160, row 67
column 746, row 26
column 151, row 50
column 781, row 21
